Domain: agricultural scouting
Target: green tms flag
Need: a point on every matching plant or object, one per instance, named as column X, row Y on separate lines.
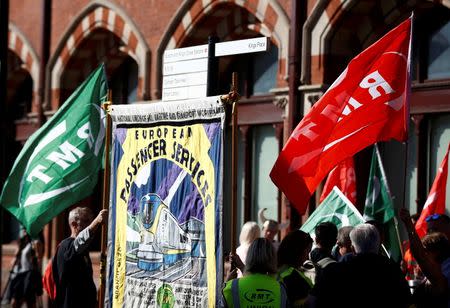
column 380, row 207
column 59, row 164
column 337, row 209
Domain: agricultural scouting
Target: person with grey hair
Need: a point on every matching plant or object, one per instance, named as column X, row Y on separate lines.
column 373, row 280
column 258, row 286
column 72, row 267
column 344, row 244
column 365, row 239
column 270, row 228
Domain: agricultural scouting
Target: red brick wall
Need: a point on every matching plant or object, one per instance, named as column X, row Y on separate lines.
column 151, row 17
column 27, row 16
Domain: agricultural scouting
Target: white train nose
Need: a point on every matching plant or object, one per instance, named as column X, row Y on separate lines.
column 150, row 253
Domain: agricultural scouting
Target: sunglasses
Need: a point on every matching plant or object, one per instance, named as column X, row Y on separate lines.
column 433, row 217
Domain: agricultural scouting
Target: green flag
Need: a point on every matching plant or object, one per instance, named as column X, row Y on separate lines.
column 379, row 206
column 337, row 209
column 59, row 164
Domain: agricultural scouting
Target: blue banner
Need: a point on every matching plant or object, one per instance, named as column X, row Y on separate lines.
column 166, row 205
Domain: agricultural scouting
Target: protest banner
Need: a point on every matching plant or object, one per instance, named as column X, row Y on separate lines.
column 166, row 204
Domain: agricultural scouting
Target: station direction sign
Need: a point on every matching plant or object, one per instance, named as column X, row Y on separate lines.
column 184, row 80
column 242, row 46
column 185, row 73
column 184, row 86
column 185, row 67
column 185, row 70
column 187, row 53
column 182, row 93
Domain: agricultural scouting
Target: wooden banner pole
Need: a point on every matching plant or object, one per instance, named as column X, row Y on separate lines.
column 105, row 202
column 233, row 99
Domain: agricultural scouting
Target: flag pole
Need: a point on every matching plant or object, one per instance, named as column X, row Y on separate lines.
column 407, row 111
column 234, row 157
column 105, row 201
column 4, row 21
column 407, row 119
column 402, row 204
column 383, row 174
column 233, row 98
column 398, row 237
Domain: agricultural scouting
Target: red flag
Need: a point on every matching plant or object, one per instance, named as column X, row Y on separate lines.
column 435, row 203
column 366, row 104
column 343, row 176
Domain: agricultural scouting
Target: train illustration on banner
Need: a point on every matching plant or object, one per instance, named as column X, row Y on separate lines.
column 163, row 241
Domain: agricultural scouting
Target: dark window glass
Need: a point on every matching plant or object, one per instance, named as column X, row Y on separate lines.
column 265, row 70
column 439, row 54
column 124, row 82
column 257, row 72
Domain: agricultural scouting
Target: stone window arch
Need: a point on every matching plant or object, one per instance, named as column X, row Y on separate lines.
column 109, row 17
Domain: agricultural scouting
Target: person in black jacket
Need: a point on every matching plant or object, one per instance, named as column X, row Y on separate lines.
column 292, row 253
column 72, row 270
column 367, row 280
column 25, row 283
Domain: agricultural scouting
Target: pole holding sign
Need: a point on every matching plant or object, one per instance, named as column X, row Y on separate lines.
column 233, row 99
column 213, row 67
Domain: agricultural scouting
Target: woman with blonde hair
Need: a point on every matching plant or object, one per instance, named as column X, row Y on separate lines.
column 250, row 232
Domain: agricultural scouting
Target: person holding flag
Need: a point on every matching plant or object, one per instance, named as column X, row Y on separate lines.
column 432, row 219
column 437, row 274
column 409, row 263
column 72, row 266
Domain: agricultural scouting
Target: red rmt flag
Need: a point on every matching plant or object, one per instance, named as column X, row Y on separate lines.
column 366, row 104
column 435, row 203
column 343, row 177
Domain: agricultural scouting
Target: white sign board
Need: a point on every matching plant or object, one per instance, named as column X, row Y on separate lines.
column 183, row 67
column 181, row 93
column 187, row 53
column 242, row 46
column 184, row 80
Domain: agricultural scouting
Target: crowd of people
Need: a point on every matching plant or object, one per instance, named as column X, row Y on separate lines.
column 339, row 268
column 343, row 267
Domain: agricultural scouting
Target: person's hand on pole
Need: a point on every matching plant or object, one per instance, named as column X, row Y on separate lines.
column 99, row 220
